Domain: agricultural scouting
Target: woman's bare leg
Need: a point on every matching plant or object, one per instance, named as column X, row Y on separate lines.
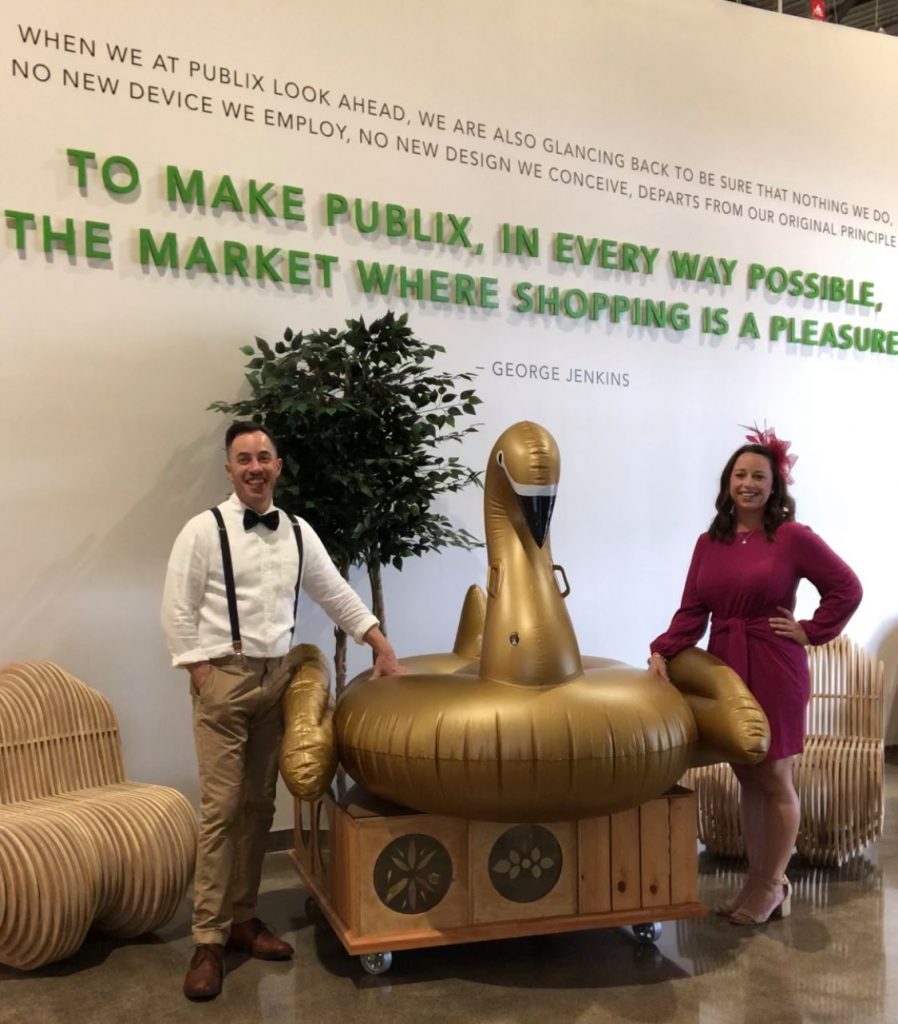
column 771, row 819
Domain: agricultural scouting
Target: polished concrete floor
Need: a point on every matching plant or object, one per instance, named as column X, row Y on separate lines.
column 834, row 960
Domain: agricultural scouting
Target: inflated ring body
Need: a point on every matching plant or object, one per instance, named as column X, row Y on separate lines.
column 307, row 758
column 477, row 748
column 514, row 725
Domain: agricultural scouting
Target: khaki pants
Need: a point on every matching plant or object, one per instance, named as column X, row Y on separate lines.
column 237, row 728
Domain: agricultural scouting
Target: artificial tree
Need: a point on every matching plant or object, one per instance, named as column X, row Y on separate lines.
column 360, row 415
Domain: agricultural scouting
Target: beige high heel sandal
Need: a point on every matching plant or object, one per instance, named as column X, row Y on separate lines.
column 782, row 909
column 729, row 906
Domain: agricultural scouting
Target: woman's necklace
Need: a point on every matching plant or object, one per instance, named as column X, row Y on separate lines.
column 743, row 535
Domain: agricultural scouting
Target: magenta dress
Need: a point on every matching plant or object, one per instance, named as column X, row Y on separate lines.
column 741, row 585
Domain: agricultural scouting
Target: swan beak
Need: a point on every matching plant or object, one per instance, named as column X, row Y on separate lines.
column 537, row 509
column 536, row 502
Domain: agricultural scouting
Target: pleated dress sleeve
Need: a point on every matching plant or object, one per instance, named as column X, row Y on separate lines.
column 839, row 588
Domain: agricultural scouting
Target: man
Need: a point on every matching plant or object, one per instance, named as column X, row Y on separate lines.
column 234, row 649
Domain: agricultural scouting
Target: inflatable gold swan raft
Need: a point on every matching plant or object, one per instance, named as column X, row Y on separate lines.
column 514, row 724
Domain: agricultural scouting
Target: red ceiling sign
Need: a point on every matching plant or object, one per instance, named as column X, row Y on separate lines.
column 818, row 10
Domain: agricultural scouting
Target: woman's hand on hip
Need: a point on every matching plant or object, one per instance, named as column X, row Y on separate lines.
column 788, row 627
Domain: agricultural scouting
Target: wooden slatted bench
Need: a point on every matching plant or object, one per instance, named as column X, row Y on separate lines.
column 80, row 846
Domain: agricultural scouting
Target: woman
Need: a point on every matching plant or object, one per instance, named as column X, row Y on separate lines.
column 744, row 574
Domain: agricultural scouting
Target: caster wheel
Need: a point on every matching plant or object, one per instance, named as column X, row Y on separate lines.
column 646, row 934
column 376, row 963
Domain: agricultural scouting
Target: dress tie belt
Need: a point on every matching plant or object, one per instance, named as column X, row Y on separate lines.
column 729, row 640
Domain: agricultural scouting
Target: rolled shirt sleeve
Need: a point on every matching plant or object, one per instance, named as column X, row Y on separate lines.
column 327, row 588
column 185, row 587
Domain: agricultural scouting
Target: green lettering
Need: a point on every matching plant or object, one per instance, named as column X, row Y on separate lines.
column 522, row 292
column 439, row 285
column 257, row 200
column 96, row 240
column 120, row 162
column 608, row 254
column 335, row 206
column 292, row 200
column 828, row 335
column 411, row 280
column 324, row 264
column 20, row 222
column 574, row 303
column 489, row 292
column 234, row 257
column 395, row 218
column 80, row 158
column 628, row 257
column 374, row 278
column 298, row 267
column 778, row 324
column 193, row 191
column 226, row 194
column 264, row 267
column 755, row 274
column 564, row 244
column 464, row 290
column 66, row 236
column 200, row 256
column 684, row 264
column 165, row 255
column 749, row 327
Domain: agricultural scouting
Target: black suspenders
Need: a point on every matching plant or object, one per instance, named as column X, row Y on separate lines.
column 297, row 533
column 228, row 569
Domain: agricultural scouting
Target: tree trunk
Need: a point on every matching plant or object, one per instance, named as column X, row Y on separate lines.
column 377, row 597
column 340, row 645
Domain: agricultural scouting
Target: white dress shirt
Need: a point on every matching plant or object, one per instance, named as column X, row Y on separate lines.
column 195, row 603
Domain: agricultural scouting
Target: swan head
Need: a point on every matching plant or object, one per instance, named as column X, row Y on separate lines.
column 527, row 456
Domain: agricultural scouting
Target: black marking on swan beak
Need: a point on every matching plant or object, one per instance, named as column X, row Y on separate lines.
column 537, row 509
column 536, row 501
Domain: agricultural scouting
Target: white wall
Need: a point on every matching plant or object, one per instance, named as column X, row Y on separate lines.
column 107, row 367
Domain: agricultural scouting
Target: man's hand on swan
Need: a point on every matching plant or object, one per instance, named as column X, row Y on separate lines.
column 385, row 662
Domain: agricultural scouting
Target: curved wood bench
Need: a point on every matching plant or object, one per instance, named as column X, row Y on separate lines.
column 80, row 846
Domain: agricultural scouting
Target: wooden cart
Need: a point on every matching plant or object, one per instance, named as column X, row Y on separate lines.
column 387, row 878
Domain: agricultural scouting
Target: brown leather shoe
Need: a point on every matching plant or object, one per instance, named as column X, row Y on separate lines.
column 206, row 971
column 254, row 938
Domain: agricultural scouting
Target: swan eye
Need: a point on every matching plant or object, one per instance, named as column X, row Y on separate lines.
column 514, row 639
column 500, row 458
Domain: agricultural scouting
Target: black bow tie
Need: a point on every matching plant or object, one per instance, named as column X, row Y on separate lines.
column 270, row 519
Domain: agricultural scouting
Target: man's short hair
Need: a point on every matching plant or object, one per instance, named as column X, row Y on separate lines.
column 239, row 427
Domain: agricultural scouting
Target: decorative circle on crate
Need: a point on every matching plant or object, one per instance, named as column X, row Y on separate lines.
column 412, row 873
column 525, row 863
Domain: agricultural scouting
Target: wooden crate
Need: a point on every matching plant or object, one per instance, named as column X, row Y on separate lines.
column 388, row 878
